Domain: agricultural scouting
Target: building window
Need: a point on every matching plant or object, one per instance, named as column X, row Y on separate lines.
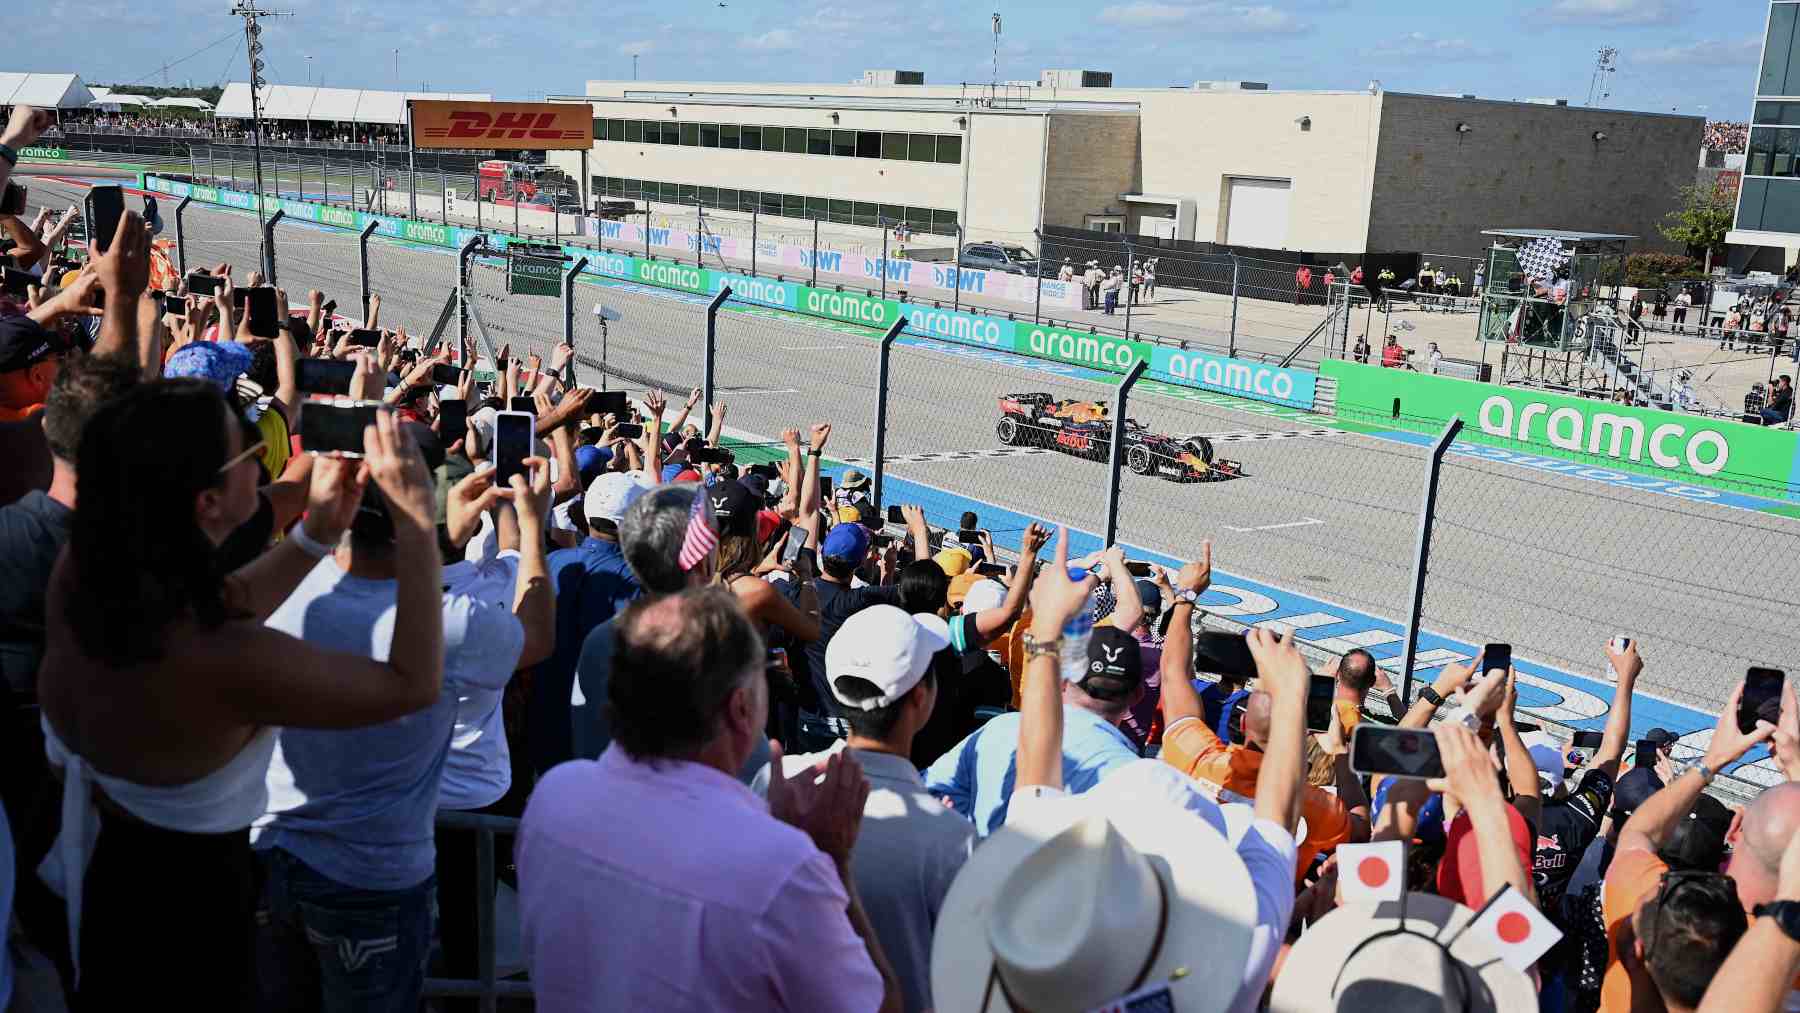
column 709, row 135
column 1786, row 114
column 843, row 143
column 1770, row 205
column 615, row 129
column 690, row 135
column 892, row 215
column 949, row 149
column 923, row 148
column 893, row 146
column 728, row 135
column 753, row 137
column 818, row 141
column 943, row 222
column 796, row 143
column 1772, row 152
column 633, row 131
column 919, row 218
column 792, row 206
column 1781, row 63
column 599, row 129
column 708, row 196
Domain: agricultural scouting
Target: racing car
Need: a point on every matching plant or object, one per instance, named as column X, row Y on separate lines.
column 1084, row 429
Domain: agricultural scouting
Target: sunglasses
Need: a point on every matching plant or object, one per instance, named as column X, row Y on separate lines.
column 1672, row 884
column 253, row 450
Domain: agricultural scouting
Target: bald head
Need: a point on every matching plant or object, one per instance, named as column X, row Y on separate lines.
column 1356, row 671
column 1770, row 821
column 1257, row 710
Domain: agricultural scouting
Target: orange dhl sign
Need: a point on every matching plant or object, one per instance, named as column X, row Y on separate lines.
column 538, row 126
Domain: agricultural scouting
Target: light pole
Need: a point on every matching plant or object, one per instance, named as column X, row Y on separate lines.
column 396, row 70
column 634, row 59
column 248, row 10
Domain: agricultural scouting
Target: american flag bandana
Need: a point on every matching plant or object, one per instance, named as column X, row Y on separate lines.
column 702, row 533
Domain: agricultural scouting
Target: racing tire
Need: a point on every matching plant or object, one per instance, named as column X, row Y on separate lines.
column 1137, row 458
column 1007, row 431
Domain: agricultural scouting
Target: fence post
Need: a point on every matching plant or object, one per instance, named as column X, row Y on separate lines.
column 443, row 193
column 699, row 234
column 881, row 403
column 815, row 254
column 1116, row 460
column 569, row 314
column 956, row 273
column 1231, row 341
column 1422, row 551
column 1037, row 304
column 463, row 258
column 362, row 259
column 884, row 274
column 753, row 242
column 193, row 165
column 712, row 328
column 181, row 235
column 646, row 230
column 1130, row 266
column 269, row 245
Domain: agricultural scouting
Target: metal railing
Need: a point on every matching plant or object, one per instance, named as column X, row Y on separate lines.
column 486, row 986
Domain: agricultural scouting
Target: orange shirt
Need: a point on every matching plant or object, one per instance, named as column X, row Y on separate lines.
column 1228, row 773
column 1632, row 876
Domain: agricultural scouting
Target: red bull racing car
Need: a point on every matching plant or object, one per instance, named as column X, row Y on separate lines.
column 1084, row 429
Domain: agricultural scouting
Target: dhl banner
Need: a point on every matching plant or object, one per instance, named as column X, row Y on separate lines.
column 535, row 126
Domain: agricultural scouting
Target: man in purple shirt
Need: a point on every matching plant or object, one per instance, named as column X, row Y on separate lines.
column 653, row 879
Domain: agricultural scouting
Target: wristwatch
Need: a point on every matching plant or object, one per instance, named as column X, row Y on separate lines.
column 1035, row 648
column 1187, row 594
column 1786, row 914
column 813, row 453
column 1431, row 696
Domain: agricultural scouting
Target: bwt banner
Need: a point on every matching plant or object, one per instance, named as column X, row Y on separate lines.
column 1292, row 387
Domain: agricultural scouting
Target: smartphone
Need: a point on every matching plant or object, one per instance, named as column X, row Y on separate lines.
column 263, row 319
column 1397, row 752
column 324, row 376
column 1588, row 740
column 365, row 337
column 445, row 375
column 616, row 403
column 987, row 569
column 514, row 432
column 336, row 426
column 328, row 309
column 1234, row 723
column 523, row 404
column 796, row 540
column 1223, row 654
column 103, row 208
column 969, row 536
column 1762, row 698
column 1321, row 696
column 18, row 283
column 1496, row 656
column 1646, row 754
column 174, row 305
column 629, row 430
column 894, row 516
column 825, row 489
column 1137, row 569
column 12, row 202
column 453, row 419
column 881, row 541
column 200, row 283
column 711, row 455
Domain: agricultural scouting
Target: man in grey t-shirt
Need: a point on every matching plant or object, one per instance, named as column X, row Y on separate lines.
column 910, row 847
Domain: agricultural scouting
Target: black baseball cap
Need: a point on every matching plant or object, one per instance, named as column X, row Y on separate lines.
column 24, row 343
column 1661, row 736
column 1115, row 667
column 735, row 507
column 1698, row 842
column 1634, row 789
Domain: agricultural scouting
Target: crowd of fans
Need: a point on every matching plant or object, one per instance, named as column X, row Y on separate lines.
column 285, row 131
column 1726, row 136
column 771, row 748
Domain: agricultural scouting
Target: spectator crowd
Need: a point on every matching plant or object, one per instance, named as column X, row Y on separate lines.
column 1725, row 135
column 766, row 746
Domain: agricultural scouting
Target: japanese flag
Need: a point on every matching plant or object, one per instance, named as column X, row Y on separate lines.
column 1372, row 871
column 1515, row 928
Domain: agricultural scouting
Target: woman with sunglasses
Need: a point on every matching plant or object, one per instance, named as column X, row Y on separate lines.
column 163, row 692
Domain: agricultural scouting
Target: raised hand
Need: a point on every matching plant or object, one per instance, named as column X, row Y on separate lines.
column 332, row 497
column 1625, row 664
column 124, row 269
column 821, row 431
column 826, row 801
column 1728, row 744
column 1054, row 597
column 1468, row 773
column 531, row 498
column 1035, row 537
column 693, row 398
column 1280, row 666
column 25, row 125
column 790, row 437
column 398, row 469
column 655, row 403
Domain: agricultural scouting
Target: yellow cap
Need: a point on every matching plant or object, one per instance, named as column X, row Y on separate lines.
column 953, row 560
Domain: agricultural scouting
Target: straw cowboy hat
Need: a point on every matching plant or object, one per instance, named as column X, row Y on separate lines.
column 1079, row 900
column 1339, row 965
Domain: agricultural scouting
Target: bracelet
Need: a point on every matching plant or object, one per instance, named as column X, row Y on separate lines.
column 814, row 453
column 1431, row 696
column 307, row 543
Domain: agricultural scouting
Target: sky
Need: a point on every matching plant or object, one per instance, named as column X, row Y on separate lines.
column 1689, row 56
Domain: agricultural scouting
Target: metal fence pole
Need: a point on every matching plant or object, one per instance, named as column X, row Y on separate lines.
column 1037, row 304
column 1422, row 551
column 956, row 274
column 712, row 327
column 1130, row 266
column 515, row 200
column 443, row 193
column 269, row 245
column 881, row 403
column 1116, row 460
column 181, row 235
column 568, row 295
column 884, row 275
column 362, row 257
column 1231, row 341
column 753, row 242
column 815, row 254
column 193, row 165
column 646, row 230
column 463, row 258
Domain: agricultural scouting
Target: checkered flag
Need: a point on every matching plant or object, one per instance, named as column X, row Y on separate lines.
column 1542, row 258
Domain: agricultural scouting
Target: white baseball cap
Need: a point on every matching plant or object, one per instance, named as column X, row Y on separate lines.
column 982, row 595
column 1547, row 757
column 609, row 496
column 886, row 647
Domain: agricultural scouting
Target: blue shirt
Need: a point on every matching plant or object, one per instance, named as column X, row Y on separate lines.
column 1216, row 704
column 357, row 805
column 977, row 776
column 593, row 584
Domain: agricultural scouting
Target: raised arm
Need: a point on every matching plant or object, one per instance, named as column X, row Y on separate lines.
column 809, row 485
column 124, row 272
column 1756, row 977
column 1470, row 778
column 717, row 430
column 534, row 599
column 1626, row 665
column 1281, row 671
column 655, row 404
column 1128, row 607
column 1650, row 825
column 990, row 623
column 22, row 128
column 917, row 529
column 1521, row 773
column 1054, row 598
column 1179, row 698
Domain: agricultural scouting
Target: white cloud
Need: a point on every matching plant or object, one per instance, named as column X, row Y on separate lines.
column 637, row 47
column 1419, row 46
column 773, row 40
column 1718, row 53
column 1615, row 12
column 1205, row 18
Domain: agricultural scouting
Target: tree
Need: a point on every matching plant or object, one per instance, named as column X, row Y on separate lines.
column 1700, row 224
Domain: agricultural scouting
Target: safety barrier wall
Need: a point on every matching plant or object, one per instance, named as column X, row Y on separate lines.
column 1099, row 352
column 1682, row 449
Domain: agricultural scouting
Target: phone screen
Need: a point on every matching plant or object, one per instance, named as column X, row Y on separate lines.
column 204, row 284
column 628, row 430
column 523, row 404
column 1399, row 752
column 175, row 305
column 1762, row 698
column 324, row 376
column 825, row 489
column 18, row 283
column 105, row 206
column 445, row 375
column 365, row 337
column 453, row 419
column 1137, row 569
column 969, row 536
column 336, row 427
column 1496, row 656
column 609, row 402
column 513, row 435
column 894, row 515
column 1321, row 694
column 1588, row 740
column 263, row 321
column 1223, row 654
column 796, row 540
column 1646, row 754
column 987, row 569
column 13, row 201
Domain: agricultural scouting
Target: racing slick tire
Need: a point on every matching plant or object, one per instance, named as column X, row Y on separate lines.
column 1010, row 433
column 1137, row 458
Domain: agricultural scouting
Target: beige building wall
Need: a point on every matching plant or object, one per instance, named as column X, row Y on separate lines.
column 1523, row 165
column 1006, row 154
column 1093, row 160
column 1193, row 142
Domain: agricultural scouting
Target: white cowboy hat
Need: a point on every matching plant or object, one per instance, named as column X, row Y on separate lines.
column 1079, row 900
column 1330, row 969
